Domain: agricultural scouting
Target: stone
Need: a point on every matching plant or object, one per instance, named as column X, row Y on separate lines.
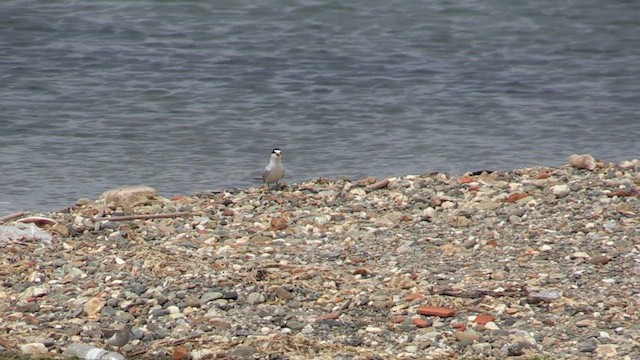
column 607, row 350
column 243, row 352
column 467, row 336
column 561, row 190
column 279, row 223
column 547, row 295
column 33, row 349
column 93, row 307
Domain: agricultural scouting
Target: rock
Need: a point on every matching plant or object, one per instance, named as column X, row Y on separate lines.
column 255, row 298
column 33, row 349
column 600, row 260
column 467, row 336
column 560, row 191
column 584, row 161
column 93, row 307
column 588, row 346
column 547, row 295
column 201, row 354
column 607, row 351
column 279, row 223
column 131, row 196
column 491, row 326
column 243, row 352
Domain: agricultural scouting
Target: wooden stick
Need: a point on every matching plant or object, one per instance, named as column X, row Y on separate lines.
column 12, row 216
column 149, row 216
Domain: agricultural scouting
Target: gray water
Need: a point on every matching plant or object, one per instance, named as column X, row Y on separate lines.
column 187, row 96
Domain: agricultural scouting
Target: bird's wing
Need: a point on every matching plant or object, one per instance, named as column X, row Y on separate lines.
column 264, row 173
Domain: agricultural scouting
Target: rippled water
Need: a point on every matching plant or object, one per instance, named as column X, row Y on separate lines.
column 187, row 96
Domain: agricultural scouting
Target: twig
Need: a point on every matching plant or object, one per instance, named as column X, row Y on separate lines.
column 513, row 291
column 149, row 216
column 12, row 216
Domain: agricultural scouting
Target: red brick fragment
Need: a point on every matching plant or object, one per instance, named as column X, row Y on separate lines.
column 515, row 197
column 492, row 242
column 435, row 311
column 459, row 326
column 484, row 318
column 420, row 322
column 415, row 296
column 465, row 179
column 179, row 353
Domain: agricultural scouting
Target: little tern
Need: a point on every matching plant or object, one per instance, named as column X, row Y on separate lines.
column 275, row 170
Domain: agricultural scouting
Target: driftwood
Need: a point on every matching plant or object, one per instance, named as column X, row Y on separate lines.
column 12, row 216
column 149, row 216
column 513, row 291
column 379, row 185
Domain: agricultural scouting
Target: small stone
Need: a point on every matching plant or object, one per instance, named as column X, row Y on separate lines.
column 243, row 352
column 482, row 347
column 607, row 350
column 279, row 223
column 467, row 336
column 193, row 301
column 546, row 295
column 283, row 294
column 331, row 316
column 33, row 349
column 586, row 323
column 588, row 346
column 411, row 349
column 560, row 190
column 545, row 248
column 600, row 260
column 255, row 298
column 491, row 326
column 93, row 307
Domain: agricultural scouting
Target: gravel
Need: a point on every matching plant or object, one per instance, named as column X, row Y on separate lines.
column 531, row 263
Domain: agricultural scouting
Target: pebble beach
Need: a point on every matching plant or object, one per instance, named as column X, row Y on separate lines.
column 533, row 263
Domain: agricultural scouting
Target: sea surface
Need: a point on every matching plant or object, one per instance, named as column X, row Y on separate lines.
column 189, row 96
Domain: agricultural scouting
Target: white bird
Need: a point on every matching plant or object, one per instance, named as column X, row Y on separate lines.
column 274, row 171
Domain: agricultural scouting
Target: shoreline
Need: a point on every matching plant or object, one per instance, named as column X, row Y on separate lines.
column 533, row 262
